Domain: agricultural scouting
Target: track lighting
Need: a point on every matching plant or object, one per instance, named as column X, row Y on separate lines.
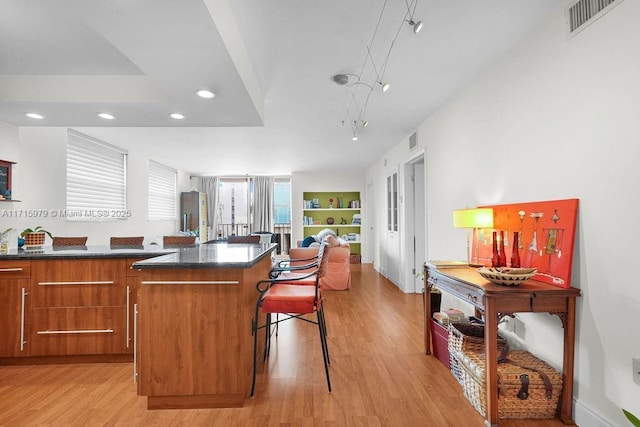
column 417, row 26
column 371, row 74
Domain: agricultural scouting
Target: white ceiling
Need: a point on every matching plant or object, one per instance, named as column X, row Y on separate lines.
column 270, row 63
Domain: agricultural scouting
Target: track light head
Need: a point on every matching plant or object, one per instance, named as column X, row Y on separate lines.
column 385, row 86
column 417, row 26
column 365, row 123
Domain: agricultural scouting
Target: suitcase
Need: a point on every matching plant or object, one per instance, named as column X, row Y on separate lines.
column 527, row 386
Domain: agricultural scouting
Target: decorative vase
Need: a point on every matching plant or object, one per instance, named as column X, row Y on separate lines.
column 502, row 256
column 495, row 258
column 515, row 254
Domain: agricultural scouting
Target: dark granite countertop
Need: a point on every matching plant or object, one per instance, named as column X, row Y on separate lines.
column 218, row 255
column 79, row 252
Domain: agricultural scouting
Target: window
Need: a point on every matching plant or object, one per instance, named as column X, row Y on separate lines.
column 163, row 191
column 233, row 207
column 282, row 201
column 96, row 179
column 392, row 202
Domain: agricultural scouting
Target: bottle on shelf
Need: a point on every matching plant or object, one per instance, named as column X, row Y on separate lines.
column 495, row 258
column 515, row 253
column 502, row 255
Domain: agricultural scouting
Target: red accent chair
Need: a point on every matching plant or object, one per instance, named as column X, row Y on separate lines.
column 284, row 295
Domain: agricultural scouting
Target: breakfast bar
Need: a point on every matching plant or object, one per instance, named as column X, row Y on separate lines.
column 194, row 314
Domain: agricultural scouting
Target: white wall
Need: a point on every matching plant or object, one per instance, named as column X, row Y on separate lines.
column 39, row 181
column 554, row 118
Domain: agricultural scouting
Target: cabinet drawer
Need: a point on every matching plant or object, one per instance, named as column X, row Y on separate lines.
column 15, row 269
column 471, row 294
column 76, row 283
column 80, row 330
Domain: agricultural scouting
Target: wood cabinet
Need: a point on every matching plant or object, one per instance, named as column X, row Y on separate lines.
column 78, row 307
column 339, row 211
column 14, row 287
column 195, row 335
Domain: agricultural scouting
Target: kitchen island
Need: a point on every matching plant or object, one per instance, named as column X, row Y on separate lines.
column 195, row 308
column 69, row 304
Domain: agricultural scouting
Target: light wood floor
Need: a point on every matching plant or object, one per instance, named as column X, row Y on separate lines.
column 379, row 373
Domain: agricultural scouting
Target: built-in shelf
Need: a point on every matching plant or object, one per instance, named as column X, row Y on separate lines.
column 335, row 214
column 332, row 209
column 12, row 200
column 330, row 225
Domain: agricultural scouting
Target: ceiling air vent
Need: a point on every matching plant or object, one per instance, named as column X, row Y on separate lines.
column 413, row 141
column 584, row 12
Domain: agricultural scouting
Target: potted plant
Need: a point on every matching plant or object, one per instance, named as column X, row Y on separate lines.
column 34, row 237
column 632, row 418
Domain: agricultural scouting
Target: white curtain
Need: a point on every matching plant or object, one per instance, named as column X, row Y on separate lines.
column 263, row 203
column 209, row 185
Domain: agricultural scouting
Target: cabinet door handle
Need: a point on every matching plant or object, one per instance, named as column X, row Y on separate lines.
column 9, row 270
column 106, row 282
column 135, row 343
column 127, row 326
column 22, row 341
column 472, row 298
column 77, row 331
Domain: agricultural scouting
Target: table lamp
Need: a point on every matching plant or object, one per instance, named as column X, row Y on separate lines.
column 472, row 219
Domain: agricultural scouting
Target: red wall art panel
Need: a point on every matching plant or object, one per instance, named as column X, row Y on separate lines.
column 545, row 237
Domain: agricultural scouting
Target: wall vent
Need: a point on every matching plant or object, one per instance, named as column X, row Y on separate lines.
column 413, row 141
column 584, row 12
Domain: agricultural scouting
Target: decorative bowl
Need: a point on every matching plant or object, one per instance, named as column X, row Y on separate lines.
column 506, row 276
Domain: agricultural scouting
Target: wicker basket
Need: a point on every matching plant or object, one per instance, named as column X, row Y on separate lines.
column 538, row 403
column 467, row 337
column 34, row 240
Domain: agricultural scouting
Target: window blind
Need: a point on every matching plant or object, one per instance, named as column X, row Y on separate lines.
column 96, row 179
column 162, row 192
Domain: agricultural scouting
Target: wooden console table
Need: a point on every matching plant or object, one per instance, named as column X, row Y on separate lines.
column 495, row 302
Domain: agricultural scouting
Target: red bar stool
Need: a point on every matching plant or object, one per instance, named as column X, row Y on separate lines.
column 286, row 296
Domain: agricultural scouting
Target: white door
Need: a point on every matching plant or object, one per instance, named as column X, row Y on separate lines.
column 392, row 242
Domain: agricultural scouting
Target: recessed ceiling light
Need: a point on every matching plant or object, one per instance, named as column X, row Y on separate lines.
column 106, row 116
column 34, row 116
column 177, row 116
column 204, row 93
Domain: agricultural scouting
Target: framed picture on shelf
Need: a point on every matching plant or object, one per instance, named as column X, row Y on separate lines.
column 5, row 179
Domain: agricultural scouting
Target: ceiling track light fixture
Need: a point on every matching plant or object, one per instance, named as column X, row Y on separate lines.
column 417, row 26
column 370, row 73
column 343, row 80
column 384, row 85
